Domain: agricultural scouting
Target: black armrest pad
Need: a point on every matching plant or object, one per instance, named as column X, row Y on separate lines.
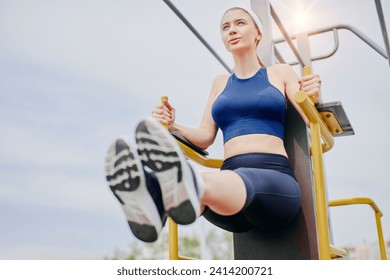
column 189, row 144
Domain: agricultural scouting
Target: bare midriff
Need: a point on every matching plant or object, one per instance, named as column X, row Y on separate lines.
column 254, row 143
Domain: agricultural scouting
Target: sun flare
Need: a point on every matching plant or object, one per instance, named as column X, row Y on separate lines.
column 301, row 18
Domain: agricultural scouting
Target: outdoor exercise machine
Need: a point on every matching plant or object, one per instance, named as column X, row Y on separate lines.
column 308, row 235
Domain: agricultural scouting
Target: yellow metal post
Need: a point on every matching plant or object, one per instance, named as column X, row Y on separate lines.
column 320, row 195
column 173, row 229
column 381, row 240
column 173, row 240
column 318, row 131
column 307, row 71
column 172, row 226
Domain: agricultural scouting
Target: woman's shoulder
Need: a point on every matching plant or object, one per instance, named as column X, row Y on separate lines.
column 283, row 71
column 219, row 85
column 280, row 68
column 220, row 82
column 221, row 79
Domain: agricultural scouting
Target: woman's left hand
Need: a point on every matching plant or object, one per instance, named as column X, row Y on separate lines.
column 311, row 84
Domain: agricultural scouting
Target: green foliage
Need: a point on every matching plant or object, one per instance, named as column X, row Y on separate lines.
column 218, row 244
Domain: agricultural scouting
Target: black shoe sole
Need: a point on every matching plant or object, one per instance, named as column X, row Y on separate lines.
column 159, row 152
column 126, row 178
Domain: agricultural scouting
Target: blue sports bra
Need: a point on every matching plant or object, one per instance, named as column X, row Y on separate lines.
column 250, row 106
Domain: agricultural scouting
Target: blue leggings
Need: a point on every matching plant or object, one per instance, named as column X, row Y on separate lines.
column 273, row 194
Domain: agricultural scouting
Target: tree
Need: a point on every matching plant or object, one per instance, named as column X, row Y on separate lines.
column 218, row 244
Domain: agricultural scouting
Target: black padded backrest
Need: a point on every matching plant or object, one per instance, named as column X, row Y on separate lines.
column 299, row 239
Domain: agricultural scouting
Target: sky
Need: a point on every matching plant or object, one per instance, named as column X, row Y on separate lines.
column 74, row 75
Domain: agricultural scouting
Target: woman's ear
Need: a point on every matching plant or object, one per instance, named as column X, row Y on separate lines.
column 258, row 39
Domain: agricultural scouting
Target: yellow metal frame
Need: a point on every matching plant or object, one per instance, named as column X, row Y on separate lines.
column 331, row 122
column 173, row 228
column 198, row 158
column 318, row 131
column 321, row 142
column 173, row 239
column 322, row 129
column 378, row 215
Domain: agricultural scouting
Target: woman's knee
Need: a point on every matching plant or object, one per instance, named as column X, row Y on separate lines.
column 225, row 192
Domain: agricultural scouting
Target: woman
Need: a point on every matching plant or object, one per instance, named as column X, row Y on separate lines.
column 256, row 186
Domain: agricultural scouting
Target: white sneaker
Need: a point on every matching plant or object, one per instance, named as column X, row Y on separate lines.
column 160, row 152
column 126, row 177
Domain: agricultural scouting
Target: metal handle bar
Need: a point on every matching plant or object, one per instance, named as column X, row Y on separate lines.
column 335, row 29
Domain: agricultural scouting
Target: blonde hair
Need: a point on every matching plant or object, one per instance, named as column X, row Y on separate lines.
column 260, row 61
column 256, row 20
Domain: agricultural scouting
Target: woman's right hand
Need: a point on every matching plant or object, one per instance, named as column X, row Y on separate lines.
column 164, row 113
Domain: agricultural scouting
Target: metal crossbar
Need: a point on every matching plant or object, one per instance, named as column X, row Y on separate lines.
column 382, row 23
column 197, row 34
column 335, row 29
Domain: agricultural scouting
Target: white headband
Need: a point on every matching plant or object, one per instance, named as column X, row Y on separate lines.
column 255, row 18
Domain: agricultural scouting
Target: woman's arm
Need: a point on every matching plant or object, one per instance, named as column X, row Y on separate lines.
column 205, row 134
column 310, row 84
